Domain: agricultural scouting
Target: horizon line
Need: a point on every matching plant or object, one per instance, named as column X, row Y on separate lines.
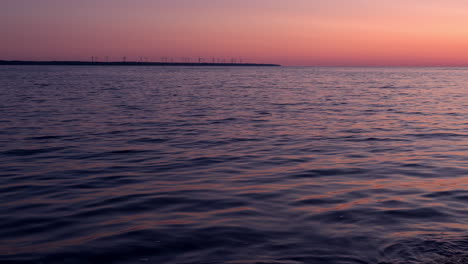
column 148, row 63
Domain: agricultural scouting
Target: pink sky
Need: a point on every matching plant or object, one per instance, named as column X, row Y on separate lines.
column 294, row 32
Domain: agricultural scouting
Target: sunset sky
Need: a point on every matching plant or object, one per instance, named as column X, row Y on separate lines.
column 293, row 32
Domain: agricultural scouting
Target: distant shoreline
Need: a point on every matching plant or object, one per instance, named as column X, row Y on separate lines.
column 131, row 63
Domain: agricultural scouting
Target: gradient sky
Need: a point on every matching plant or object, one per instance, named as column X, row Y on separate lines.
column 293, row 32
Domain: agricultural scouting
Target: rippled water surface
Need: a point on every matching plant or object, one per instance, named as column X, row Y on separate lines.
column 233, row 165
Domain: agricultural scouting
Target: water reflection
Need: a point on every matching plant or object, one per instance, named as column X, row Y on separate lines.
column 224, row 165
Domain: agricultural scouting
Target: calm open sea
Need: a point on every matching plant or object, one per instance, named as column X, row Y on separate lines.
column 233, row 165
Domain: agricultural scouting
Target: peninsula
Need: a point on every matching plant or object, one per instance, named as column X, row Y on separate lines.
column 132, row 63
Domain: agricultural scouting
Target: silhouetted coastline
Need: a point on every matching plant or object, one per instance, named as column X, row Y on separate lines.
column 131, row 63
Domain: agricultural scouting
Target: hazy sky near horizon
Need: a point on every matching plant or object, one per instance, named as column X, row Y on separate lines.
column 293, row 32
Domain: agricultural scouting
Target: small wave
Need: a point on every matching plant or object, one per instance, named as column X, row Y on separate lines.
column 329, row 172
column 417, row 213
column 394, row 87
column 46, row 137
column 30, row 152
column 437, row 135
column 369, row 139
column 430, row 249
column 148, row 140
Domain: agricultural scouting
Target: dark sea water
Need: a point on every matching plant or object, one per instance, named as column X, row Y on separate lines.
column 233, row 165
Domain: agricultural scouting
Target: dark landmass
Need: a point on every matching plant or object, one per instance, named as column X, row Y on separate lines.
column 130, row 63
